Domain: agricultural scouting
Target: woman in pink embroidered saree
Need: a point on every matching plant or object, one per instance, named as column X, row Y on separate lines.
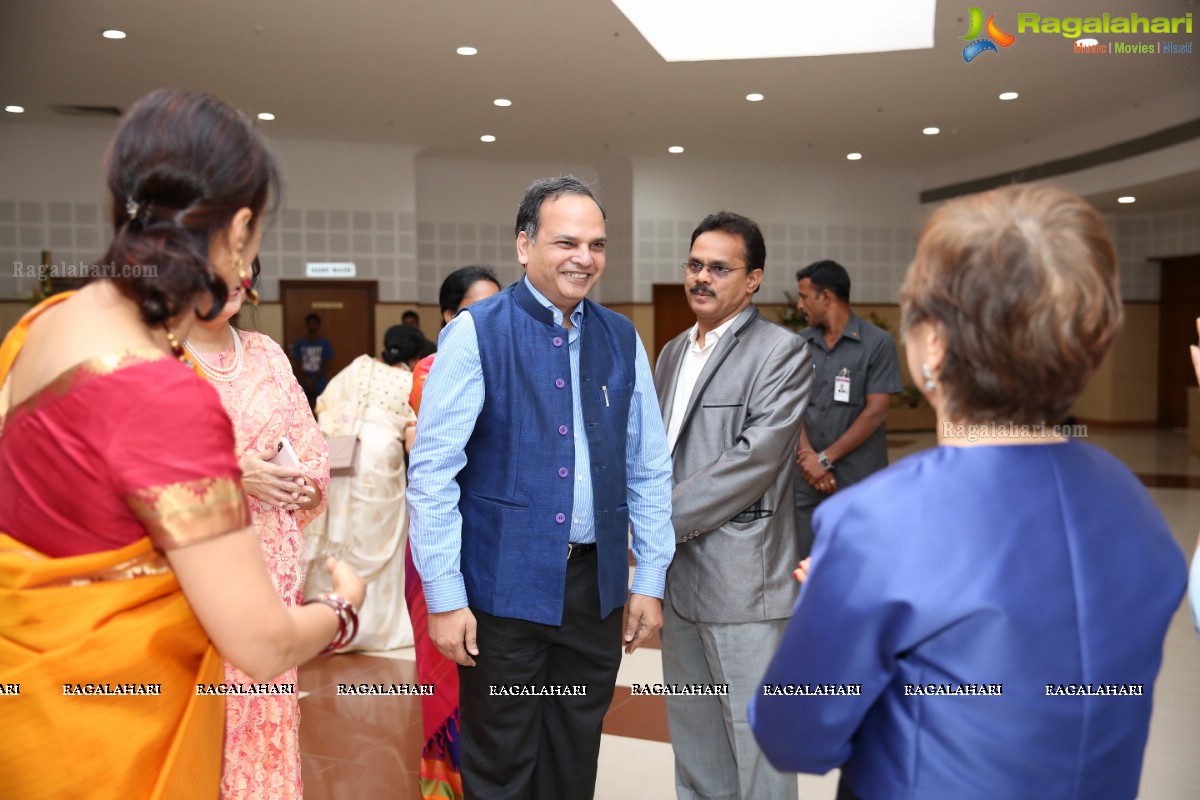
column 265, row 403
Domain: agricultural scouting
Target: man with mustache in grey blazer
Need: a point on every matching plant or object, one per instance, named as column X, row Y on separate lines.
column 733, row 389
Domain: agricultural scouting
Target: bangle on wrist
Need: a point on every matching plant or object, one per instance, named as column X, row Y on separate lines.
column 347, row 620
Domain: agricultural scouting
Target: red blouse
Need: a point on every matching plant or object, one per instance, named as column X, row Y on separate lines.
column 116, row 448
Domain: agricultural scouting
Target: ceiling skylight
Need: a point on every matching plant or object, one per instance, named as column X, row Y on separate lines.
column 707, row 30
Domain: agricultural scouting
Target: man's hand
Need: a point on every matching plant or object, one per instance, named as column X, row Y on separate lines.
column 820, row 479
column 643, row 616
column 809, row 466
column 453, row 633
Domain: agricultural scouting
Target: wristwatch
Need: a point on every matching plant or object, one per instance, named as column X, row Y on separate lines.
column 824, row 461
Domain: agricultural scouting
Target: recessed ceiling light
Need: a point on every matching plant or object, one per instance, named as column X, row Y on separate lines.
column 754, row 97
column 500, row 101
column 853, row 156
column 466, row 51
column 15, row 109
column 1009, row 95
column 675, row 149
column 487, row 137
column 113, row 34
column 1127, row 199
column 931, row 131
column 266, row 116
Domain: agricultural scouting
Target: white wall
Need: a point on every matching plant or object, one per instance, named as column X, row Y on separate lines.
column 408, row 221
column 467, row 210
column 865, row 219
column 346, row 201
column 1065, row 141
column 343, row 201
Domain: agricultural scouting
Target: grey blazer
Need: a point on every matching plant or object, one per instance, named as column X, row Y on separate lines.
column 732, row 504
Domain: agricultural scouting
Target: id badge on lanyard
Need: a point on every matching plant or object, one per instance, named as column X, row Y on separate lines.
column 841, row 386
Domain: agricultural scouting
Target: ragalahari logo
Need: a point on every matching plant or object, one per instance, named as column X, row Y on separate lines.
column 995, row 36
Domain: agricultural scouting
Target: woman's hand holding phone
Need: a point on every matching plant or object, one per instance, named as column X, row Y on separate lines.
column 274, row 478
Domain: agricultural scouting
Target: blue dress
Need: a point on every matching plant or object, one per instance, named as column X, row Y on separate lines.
column 978, row 622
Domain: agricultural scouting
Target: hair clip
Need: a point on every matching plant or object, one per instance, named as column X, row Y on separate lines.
column 132, row 207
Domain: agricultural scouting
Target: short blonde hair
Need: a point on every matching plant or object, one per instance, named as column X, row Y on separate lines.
column 1022, row 281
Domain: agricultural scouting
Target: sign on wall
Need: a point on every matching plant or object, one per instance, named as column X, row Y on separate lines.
column 321, row 269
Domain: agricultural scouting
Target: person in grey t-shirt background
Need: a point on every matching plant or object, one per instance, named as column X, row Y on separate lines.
column 855, row 372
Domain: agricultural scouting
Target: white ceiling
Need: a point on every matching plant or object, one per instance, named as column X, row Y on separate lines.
column 583, row 82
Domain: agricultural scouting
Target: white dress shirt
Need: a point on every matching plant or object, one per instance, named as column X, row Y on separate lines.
column 689, row 370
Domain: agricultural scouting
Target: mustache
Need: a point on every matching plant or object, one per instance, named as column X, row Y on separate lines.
column 700, row 290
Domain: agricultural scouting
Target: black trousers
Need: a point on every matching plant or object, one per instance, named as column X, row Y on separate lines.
column 540, row 747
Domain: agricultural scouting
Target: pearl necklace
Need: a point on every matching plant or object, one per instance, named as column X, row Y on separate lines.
column 221, row 374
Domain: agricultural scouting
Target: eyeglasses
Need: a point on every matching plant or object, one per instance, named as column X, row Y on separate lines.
column 716, row 270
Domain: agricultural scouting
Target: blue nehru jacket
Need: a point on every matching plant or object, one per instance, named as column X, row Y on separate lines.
column 518, row 484
column 532, row 435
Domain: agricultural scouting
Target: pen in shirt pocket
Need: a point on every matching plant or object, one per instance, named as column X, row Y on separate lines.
column 605, row 390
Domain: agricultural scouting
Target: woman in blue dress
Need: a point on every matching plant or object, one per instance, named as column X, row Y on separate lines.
column 986, row 619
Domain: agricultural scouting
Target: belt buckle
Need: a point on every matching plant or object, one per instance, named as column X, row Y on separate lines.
column 574, row 549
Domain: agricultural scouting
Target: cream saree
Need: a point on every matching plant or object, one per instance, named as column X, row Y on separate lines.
column 366, row 519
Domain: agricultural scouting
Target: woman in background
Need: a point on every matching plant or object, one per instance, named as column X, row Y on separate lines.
column 1009, row 558
column 126, row 540
column 366, row 519
column 264, row 401
column 440, row 776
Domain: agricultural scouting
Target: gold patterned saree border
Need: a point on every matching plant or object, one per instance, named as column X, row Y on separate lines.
column 184, row 513
column 150, row 563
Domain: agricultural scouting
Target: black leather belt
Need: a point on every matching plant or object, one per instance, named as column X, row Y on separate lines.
column 576, row 550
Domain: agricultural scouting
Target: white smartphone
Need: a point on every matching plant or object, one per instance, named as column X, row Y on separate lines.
column 285, row 456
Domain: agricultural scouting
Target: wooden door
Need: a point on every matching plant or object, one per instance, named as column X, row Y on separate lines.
column 1179, row 305
column 347, row 311
column 672, row 314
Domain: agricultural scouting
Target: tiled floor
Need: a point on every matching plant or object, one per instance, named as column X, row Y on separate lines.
column 362, row 748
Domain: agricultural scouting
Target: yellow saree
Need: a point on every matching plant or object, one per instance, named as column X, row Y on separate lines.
column 100, row 655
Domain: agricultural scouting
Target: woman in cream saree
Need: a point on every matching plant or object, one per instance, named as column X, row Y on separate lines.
column 366, row 519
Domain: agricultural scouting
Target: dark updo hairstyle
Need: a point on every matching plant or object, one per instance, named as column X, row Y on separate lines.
column 401, row 344
column 459, row 282
column 181, row 166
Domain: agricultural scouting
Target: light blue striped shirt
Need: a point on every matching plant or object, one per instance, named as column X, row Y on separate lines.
column 450, row 405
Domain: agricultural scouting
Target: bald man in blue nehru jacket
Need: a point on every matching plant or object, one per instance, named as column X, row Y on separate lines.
column 539, row 445
column 733, row 389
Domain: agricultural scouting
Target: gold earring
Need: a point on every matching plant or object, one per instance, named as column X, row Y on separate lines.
column 251, row 292
column 176, row 347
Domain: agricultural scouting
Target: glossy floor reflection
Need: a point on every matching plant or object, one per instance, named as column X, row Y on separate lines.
column 367, row 747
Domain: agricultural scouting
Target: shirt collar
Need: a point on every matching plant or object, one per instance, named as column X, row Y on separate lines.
column 576, row 314
column 852, row 331
column 713, row 336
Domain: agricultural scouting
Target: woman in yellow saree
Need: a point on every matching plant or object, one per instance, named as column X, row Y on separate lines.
column 125, row 554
